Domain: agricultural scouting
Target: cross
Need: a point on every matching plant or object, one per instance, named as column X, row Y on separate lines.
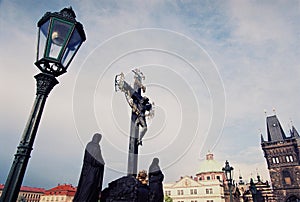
column 141, row 108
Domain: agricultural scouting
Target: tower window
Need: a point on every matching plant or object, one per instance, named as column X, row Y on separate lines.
column 286, row 177
column 289, row 158
column 275, row 160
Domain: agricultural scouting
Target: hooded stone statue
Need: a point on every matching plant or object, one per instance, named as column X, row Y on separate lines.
column 91, row 177
column 155, row 181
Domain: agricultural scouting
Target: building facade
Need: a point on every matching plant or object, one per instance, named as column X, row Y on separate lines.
column 282, row 155
column 60, row 193
column 206, row 186
column 28, row 194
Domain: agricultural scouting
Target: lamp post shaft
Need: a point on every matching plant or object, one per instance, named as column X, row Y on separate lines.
column 45, row 84
column 230, row 192
column 133, row 142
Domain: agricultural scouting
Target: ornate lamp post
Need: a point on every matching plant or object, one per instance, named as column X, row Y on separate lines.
column 59, row 38
column 228, row 174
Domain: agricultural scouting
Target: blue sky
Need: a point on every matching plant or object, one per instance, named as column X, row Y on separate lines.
column 211, row 68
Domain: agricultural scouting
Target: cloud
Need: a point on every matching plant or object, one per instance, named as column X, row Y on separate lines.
column 259, row 22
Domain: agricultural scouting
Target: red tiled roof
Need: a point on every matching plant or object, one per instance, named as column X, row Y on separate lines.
column 32, row 189
column 64, row 189
column 27, row 189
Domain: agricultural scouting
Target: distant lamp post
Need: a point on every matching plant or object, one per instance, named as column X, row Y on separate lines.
column 228, row 174
column 59, row 38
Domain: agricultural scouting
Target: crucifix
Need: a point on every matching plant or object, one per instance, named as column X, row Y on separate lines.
column 141, row 108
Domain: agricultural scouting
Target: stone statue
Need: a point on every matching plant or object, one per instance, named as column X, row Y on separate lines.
column 140, row 104
column 142, row 107
column 143, row 191
column 256, row 194
column 155, row 181
column 90, row 182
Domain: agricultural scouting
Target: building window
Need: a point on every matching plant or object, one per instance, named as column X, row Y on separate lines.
column 218, row 177
column 289, row 158
column 179, row 192
column 168, row 193
column 209, row 200
column 193, row 191
column 209, row 191
column 208, row 177
column 286, row 177
column 275, row 160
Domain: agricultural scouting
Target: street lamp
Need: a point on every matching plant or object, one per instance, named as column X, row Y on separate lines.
column 59, row 38
column 228, row 174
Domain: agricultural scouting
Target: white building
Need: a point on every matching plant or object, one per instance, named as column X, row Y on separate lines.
column 60, row 193
column 206, row 186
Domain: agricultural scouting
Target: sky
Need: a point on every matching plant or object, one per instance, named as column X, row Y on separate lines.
column 214, row 70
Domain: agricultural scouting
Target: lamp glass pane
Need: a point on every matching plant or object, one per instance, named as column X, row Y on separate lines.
column 71, row 49
column 43, row 33
column 57, row 38
column 227, row 173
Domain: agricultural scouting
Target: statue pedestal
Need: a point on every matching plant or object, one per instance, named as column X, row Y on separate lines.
column 123, row 189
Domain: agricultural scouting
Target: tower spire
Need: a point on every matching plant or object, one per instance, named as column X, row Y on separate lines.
column 261, row 136
column 294, row 132
column 274, row 129
column 265, row 112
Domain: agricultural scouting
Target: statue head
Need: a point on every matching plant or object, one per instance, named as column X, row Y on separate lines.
column 142, row 176
column 154, row 167
column 155, row 161
column 97, row 137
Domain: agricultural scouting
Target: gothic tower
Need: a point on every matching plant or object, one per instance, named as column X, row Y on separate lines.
column 283, row 159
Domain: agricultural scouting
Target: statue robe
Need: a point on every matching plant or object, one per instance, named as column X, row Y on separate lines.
column 90, row 181
column 155, row 182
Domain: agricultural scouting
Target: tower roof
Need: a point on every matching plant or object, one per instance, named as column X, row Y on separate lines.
column 210, row 165
column 274, row 130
